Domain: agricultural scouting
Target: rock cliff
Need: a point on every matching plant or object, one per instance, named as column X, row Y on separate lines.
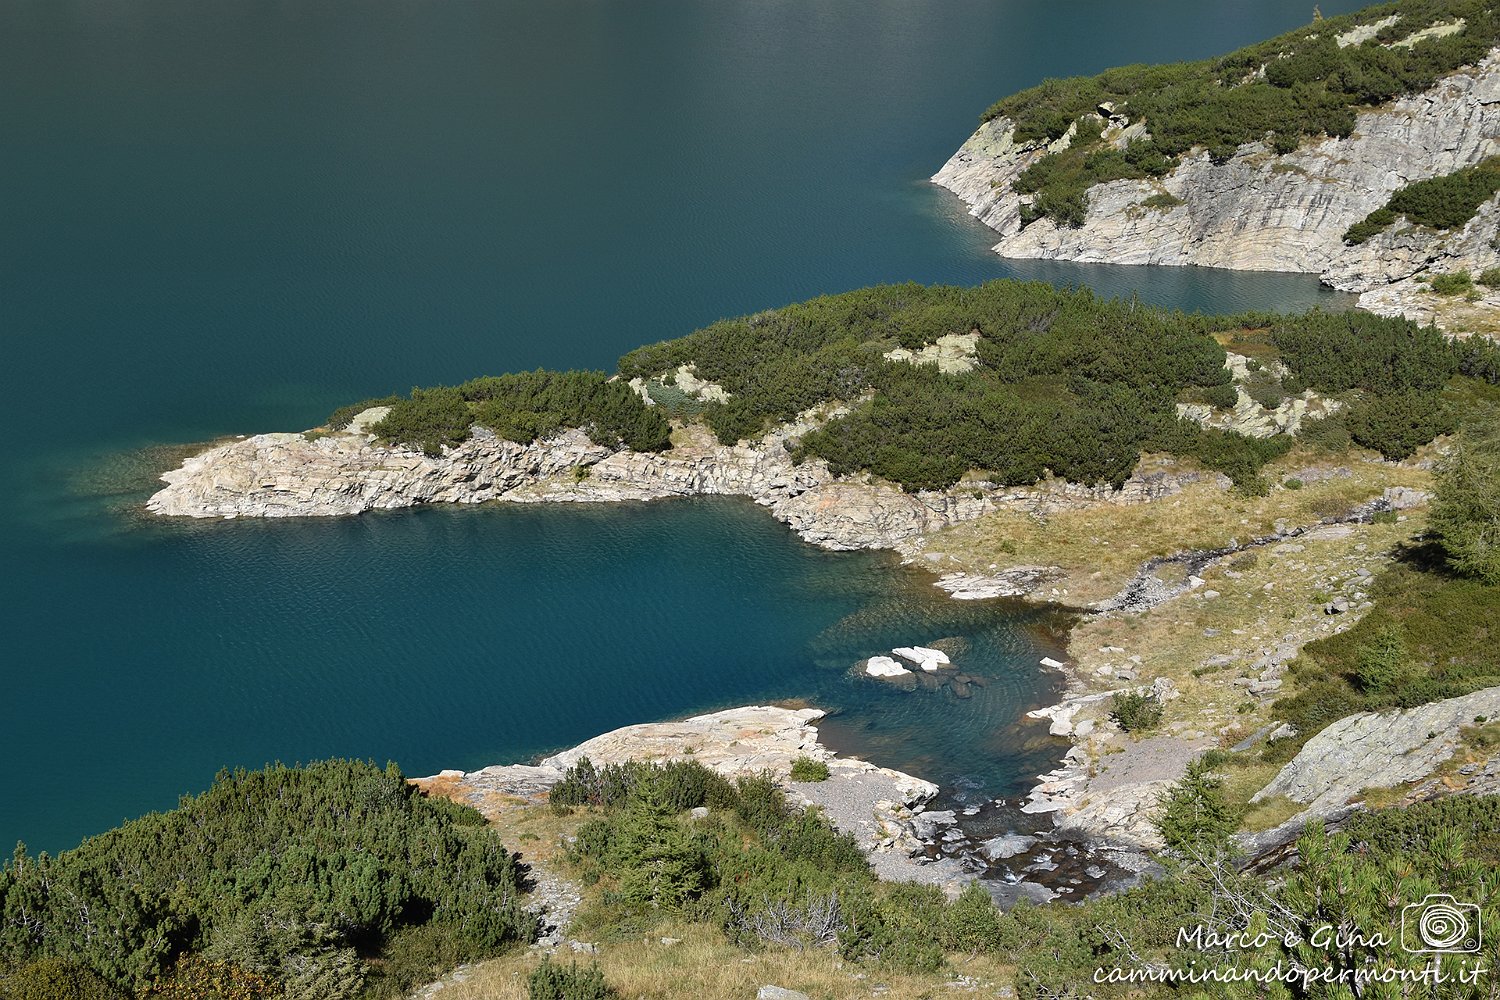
column 348, row 472
column 1260, row 211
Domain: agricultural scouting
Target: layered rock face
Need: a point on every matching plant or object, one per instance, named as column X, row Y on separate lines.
column 1260, row 211
column 302, row 475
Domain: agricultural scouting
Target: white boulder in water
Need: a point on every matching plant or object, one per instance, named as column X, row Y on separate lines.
column 884, row 666
column 926, row 658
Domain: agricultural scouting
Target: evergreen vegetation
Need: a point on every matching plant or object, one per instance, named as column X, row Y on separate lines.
column 1466, row 512
column 1446, row 202
column 1064, row 384
column 295, row 878
column 520, row 407
column 773, row 879
column 1282, row 91
column 1135, row 712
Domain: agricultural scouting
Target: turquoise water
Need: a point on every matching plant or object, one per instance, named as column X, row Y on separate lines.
column 223, row 218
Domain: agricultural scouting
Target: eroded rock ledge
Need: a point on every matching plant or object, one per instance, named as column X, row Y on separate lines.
column 1260, row 211
column 349, row 472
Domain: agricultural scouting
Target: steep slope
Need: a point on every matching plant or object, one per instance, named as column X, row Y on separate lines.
column 1257, row 210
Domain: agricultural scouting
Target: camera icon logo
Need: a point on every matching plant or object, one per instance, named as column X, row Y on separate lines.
column 1441, row 924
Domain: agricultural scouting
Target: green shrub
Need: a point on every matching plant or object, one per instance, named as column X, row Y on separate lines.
column 552, row 981
column 682, row 784
column 522, row 407
column 971, row 923
column 1446, row 202
column 1196, row 817
column 57, row 979
column 431, row 419
column 1222, row 397
column 1327, row 433
column 282, row 872
column 1397, row 424
column 1383, row 664
column 807, row 769
column 1466, row 509
column 1292, row 483
column 1452, row 283
column 1336, row 352
column 1490, row 277
column 1136, row 712
column 341, row 418
column 1162, row 200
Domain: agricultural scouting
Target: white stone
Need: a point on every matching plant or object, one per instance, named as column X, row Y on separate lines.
column 884, row 666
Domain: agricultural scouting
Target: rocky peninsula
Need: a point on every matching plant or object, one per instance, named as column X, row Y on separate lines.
column 1263, row 210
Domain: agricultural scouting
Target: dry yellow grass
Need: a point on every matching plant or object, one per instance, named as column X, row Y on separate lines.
column 1264, row 600
column 703, row 966
column 1099, row 548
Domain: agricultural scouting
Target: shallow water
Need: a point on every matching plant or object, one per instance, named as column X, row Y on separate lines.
column 228, row 218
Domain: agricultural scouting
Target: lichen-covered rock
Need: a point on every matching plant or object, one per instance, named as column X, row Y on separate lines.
column 1378, row 750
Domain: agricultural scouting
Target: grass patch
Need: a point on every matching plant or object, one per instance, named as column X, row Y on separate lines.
column 1100, row 548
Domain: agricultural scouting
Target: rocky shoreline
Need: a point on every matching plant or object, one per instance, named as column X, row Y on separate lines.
column 884, row 809
column 1261, row 211
column 316, row 474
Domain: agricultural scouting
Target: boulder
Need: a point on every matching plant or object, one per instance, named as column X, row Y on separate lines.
column 884, row 666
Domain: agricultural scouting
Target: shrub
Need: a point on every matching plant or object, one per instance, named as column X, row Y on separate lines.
column 552, row 981
column 1162, row 200
column 1136, row 712
column 1466, row 509
column 56, row 978
column 1383, row 663
column 1222, row 397
column 341, row 418
column 280, row 872
column 807, row 769
column 1490, row 277
column 1309, row 87
column 523, row 407
column 430, row 419
column 1446, row 202
column 1396, row 425
column 971, row 923
column 1292, row 483
column 1336, row 352
column 1452, row 283
column 1196, row 817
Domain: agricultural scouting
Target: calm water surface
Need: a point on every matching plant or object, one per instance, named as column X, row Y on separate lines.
column 223, row 218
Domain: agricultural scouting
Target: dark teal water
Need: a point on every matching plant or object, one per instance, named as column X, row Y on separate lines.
column 222, row 218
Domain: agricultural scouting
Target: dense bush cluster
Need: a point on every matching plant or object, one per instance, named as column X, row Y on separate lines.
column 1066, row 382
column 1281, row 91
column 1446, row 202
column 292, row 877
column 1398, row 367
column 520, row 407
